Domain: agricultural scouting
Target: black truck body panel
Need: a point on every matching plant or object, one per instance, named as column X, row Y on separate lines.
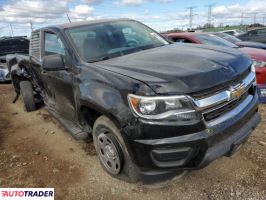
column 174, row 69
column 158, row 148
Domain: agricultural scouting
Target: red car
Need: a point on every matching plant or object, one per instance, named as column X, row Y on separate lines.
column 257, row 55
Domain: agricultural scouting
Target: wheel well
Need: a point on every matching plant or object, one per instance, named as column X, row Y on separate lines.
column 90, row 115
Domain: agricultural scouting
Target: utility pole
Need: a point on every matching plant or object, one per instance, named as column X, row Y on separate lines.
column 209, row 14
column 255, row 18
column 191, row 16
column 242, row 18
column 11, row 28
column 68, row 18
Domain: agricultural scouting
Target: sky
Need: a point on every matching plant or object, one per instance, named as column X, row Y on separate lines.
column 17, row 17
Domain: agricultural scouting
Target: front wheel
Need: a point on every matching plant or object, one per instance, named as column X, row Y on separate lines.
column 27, row 95
column 112, row 151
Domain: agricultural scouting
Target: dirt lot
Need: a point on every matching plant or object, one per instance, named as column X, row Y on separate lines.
column 35, row 151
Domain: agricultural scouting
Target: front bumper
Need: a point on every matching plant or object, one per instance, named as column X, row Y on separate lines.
column 161, row 158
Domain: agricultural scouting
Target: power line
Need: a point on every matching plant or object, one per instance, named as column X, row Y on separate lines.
column 191, row 16
column 242, row 18
column 255, row 16
column 209, row 20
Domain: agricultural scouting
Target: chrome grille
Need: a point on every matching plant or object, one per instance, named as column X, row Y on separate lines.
column 211, row 115
column 216, row 105
column 225, row 95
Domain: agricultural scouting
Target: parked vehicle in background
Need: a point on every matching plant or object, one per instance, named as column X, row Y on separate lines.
column 240, row 43
column 234, row 32
column 154, row 108
column 256, row 35
column 257, row 55
column 4, row 73
column 11, row 45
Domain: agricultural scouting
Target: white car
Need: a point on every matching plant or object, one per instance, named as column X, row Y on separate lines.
column 4, row 73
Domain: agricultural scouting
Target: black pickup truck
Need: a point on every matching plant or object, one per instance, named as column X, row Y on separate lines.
column 154, row 109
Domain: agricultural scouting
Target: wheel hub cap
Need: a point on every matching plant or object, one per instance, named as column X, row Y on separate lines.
column 108, row 154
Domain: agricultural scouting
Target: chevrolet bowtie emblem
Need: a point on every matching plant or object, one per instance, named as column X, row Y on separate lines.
column 237, row 90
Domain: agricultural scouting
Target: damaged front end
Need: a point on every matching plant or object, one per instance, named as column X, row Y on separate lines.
column 19, row 68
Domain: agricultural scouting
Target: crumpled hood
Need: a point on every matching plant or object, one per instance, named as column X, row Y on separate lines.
column 180, row 68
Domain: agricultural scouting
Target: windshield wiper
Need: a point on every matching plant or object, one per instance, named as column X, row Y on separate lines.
column 98, row 59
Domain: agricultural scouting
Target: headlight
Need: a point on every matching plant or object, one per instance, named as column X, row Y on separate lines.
column 258, row 63
column 163, row 108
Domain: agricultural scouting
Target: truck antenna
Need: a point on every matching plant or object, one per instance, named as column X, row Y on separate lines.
column 68, row 18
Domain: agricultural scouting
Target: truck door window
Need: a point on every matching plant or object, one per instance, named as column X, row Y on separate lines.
column 53, row 45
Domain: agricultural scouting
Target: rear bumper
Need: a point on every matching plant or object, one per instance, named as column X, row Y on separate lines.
column 162, row 158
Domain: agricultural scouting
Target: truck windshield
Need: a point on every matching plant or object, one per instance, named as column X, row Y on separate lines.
column 96, row 42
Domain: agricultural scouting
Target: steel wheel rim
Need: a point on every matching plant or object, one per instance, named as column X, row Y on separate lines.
column 108, row 154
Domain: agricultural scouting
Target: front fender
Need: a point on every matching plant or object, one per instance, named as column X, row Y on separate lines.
column 106, row 100
column 106, row 92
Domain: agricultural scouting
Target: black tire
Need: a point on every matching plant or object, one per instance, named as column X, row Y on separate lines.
column 27, row 95
column 128, row 170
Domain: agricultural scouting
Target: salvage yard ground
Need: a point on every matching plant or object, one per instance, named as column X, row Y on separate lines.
column 36, row 151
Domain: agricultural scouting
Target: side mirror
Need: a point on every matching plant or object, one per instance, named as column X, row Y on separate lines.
column 53, row 63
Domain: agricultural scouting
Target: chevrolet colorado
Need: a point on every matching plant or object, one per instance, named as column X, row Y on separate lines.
column 154, row 108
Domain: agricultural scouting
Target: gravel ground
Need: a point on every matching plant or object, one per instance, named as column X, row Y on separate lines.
column 36, row 151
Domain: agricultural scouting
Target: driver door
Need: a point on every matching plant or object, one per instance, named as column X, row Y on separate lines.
column 60, row 81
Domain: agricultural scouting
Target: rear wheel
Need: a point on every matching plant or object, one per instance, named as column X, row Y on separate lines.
column 112, row 151
column 27, row 95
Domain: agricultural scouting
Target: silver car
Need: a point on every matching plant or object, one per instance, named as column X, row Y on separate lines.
column 4, row 73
